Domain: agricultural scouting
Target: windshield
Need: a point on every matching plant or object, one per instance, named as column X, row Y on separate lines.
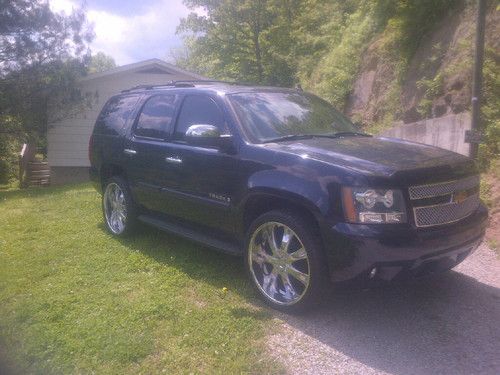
column 269, row 116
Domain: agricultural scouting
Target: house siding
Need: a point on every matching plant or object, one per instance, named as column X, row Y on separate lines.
column 68, row 139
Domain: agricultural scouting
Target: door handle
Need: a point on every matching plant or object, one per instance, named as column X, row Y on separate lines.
column 129, row 151
column 173, row 160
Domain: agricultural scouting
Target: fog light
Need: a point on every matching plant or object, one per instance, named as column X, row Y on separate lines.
column 373, row 272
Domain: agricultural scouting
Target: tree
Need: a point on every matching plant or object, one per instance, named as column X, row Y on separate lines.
column 248, row 40
column 100, row 62
column 41, row 56
column 31, row 34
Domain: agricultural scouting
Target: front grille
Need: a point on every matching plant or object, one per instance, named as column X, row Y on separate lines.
column 443, row 188
column 462, row 198
column 445, row 213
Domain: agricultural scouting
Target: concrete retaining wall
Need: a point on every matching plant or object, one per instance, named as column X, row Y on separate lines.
column 447, row 132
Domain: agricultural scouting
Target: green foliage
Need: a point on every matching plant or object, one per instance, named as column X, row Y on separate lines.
column 485, row 191
column 10, row 146
column 316, row 42
column 432, row 89
column 331, row 49
column 390, row 109
column 245, row 41
column 411, row 20
column 73, row 299
column 490, row 150
column 41, row 56
column 100, row 62
column 31, row 34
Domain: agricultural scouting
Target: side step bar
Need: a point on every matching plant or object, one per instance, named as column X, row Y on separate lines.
column 204, row 239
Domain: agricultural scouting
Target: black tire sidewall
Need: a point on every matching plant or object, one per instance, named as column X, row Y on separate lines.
column 317, row 265
column 131, row 218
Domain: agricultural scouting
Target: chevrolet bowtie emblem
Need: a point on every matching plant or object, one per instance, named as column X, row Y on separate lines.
column 460, row 196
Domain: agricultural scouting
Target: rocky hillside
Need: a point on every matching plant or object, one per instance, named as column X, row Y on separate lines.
column 437, row 79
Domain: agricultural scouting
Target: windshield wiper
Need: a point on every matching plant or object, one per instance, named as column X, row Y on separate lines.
column 343, row 134
column 291, row 137
column 295, row 137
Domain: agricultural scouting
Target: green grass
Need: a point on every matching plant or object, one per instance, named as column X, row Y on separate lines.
column 73, row 299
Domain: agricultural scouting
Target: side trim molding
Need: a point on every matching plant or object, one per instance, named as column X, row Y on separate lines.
column 204, row 239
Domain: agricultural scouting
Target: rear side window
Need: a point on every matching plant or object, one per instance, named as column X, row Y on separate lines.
column 155, row 119
column 114, row 115
column 198, row 110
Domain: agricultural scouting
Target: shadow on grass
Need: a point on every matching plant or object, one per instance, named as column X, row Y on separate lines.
column 197, row 261
column 40, row 191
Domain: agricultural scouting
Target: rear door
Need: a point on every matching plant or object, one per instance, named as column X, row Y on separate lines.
column 147, row 148
column 110, row 128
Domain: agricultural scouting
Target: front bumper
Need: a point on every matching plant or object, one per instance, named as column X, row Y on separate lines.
column 400, row 251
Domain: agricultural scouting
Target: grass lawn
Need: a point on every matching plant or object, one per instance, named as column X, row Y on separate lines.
column 75, row 300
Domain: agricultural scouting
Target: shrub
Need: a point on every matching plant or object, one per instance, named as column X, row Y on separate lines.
column 9, row 149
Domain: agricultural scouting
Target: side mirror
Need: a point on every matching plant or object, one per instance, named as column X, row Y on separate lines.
column 208, row 136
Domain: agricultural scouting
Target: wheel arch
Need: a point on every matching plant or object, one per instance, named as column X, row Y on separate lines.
column 109, row 170
column 261, row 201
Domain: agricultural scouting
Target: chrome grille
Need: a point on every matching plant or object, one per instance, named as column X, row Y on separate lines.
column 445, row 213
column 450, row 211
column 443, row 188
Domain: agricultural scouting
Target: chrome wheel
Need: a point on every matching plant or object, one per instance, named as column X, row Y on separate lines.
column 115, row 208
column 279, row 263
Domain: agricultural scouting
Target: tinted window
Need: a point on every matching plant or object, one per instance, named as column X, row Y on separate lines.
column 270, row 115
column 156, row 117
column 197, row 110
column 114, row 115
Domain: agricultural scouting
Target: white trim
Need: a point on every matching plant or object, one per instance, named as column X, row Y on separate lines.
column 140, row 65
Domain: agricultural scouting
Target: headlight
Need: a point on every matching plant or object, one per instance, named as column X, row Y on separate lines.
column 373, row 206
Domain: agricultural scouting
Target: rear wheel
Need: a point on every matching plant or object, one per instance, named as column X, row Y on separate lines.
column 285, row 261
column 118, row 208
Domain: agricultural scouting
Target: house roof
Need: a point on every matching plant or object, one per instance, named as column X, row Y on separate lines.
column 141, row 65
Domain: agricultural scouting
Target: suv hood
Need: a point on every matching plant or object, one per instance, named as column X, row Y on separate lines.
column 374, row 156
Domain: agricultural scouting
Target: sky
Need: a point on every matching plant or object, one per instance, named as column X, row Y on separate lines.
column 131, row 30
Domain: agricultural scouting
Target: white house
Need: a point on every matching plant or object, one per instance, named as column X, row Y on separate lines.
column 67, row 140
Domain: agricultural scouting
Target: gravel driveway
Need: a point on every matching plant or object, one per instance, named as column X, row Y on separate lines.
column 446, row 325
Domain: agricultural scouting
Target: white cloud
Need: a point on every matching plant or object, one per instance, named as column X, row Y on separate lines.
column 62, row 5
column 136, row 37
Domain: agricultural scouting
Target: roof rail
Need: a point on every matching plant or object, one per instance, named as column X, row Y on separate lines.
column 180, row 83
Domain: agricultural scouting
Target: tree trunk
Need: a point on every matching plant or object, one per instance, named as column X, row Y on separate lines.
column 256, row 29
column 258, row 56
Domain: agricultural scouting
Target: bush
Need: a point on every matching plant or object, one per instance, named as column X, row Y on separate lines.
column 490, row 149
column 9, row 150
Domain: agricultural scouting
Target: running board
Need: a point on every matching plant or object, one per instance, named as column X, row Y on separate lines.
column 193, row 235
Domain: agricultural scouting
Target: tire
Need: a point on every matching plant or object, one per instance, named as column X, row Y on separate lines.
column 290, row 278
column 118, row 208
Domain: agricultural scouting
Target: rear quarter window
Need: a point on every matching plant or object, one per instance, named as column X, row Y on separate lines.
column 115, row 114
column 156, row 116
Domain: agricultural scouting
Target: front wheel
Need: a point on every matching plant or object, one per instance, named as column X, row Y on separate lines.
column 118, row 207
column 285, row 261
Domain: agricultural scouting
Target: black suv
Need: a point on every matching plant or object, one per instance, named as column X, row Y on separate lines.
column 282, row 178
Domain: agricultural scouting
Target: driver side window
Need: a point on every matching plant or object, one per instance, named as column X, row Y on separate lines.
column 197, row 110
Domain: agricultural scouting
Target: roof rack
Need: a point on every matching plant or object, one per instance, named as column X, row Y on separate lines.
column 181, row 83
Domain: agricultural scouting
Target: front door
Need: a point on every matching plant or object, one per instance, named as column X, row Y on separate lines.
column 202, row 182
